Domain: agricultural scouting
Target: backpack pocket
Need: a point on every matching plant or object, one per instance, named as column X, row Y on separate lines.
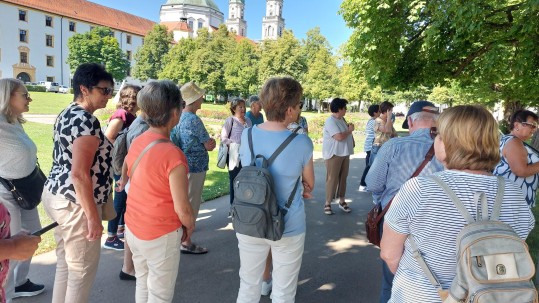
column 513, row 295
column 249, row 220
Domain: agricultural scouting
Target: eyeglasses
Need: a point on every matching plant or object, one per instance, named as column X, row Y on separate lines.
column 25, row 95
column 530, row 125
column 433, row 133
column 105, row 90
column 301, row 105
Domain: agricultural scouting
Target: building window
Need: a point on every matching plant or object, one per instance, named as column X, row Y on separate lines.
column 191, row 24
column 111, row 33
column 128, row 55
column 48, row 21
column 24, row 57
column 128, row 39
column 49, row 41
column 200, row 24
column 72, row 26
column 23, row 35
column 50, row 79
column 22, row 15
column 50, row 61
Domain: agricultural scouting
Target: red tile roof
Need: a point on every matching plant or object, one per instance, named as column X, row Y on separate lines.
column 177, row 26
column 90, row 12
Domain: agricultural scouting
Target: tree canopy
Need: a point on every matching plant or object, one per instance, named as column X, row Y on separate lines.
column 149, row 58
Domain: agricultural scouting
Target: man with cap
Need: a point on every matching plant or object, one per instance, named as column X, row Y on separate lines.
column 397, row 160
column 192, row 138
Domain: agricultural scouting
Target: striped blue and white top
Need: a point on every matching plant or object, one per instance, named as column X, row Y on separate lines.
column 422, row 208
column 529, row 184
column 369, row 131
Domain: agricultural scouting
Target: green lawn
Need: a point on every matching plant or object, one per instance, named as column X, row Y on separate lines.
column 49, row 103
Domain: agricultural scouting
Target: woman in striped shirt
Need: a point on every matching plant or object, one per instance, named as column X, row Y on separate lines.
column 467, row 145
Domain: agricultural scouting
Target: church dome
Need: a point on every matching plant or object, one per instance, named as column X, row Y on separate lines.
column 204, row 3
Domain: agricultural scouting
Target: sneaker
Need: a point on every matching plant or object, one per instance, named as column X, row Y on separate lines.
column 266, row 287
column 28, row 289
column 114, row 243
column 363, row 189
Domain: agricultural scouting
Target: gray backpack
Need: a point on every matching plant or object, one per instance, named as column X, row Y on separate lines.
column 119, row 151
column 255, row 211
column 493, row 262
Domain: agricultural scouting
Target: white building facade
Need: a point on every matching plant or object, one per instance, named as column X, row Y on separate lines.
column 236, row 22
column 34, row 35
column 273, row 23
column 185, row 17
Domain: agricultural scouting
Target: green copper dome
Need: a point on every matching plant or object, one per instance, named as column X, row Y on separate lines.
column 205, row 3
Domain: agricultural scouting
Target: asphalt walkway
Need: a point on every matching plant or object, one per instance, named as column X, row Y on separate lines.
column 338, row 264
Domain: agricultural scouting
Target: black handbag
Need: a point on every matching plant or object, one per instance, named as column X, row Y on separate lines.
column 27, row 191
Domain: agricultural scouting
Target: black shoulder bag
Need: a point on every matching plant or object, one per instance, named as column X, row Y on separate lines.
column 27, row 191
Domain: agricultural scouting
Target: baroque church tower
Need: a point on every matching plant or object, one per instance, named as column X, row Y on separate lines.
column 273, row 22
column 236, row 23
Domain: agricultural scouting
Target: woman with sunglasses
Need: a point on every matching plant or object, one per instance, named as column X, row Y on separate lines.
column 79, row 184
column 231, row 136
column 18, row 159
column 520, row 162
column 125, row 114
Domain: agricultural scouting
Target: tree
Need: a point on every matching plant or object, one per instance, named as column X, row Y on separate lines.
column 281, row 57
column 149, row 58
column 321, row 82
column 241, row 70
column 177, row 62
column 489, row 46
column 98, row 46
column 352, row 86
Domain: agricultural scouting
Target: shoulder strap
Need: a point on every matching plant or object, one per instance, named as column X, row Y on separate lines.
column 426, row 269
column 495, row 216
column 147, row 148
column 282, row 146
column 231, row 127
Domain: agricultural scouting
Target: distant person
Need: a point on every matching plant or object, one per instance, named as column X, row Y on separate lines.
column 158, row 193
column 519, row 162
column 383, row 128
column 79, row 184
column 20, row 247
column 395, row 163
column 193, row 139
column 18, row 159
column 337, row 147
column 301, row 122
column 254, row 114
column 374, row 112
column 122, row 118
column 467, row 143
column 231, row 136
column 280, row 98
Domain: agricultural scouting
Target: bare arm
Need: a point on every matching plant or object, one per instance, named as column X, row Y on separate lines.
column 19, row 247
column 178, row 187
column 517, row 156
column 210, row 144
column 84, row 149
column 124, row 178
column 392, row 247
column 114, row 127
column 342, row 136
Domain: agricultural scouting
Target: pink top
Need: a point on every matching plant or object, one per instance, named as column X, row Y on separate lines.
column 4, row 264
column 123, row 115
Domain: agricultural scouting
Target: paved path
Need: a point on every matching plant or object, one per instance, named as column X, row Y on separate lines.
column 338, row 264
column 45, row 119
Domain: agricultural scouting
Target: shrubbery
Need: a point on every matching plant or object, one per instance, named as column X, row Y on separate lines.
column 36, row 88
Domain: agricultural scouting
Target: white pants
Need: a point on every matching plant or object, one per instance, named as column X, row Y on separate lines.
column 156, row 265
column 21, row 219
column 287, row 254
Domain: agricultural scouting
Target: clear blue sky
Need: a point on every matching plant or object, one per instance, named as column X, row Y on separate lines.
column 299, row 15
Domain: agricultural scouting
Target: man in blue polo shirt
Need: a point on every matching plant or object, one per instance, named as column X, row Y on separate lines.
column 397, row 160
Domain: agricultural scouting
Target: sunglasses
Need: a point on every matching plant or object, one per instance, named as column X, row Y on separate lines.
column 106, row 91
column 530, row 125
column 433, row 133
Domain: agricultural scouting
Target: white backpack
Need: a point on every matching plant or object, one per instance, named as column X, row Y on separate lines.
column 493, row 262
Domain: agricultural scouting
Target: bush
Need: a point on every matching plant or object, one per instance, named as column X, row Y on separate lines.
column 36, row 88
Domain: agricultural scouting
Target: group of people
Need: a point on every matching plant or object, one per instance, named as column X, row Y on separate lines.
column 158, row 189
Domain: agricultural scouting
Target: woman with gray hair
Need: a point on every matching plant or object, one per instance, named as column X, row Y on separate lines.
column 18, row 159
column 158, row 216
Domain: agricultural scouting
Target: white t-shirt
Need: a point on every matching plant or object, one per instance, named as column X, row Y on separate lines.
column 330, row 146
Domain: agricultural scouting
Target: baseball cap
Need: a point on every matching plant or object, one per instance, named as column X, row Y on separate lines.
column 420, row 106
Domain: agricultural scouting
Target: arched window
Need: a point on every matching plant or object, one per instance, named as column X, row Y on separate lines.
column 24, row 77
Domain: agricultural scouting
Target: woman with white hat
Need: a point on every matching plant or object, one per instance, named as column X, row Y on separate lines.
column 192, row 137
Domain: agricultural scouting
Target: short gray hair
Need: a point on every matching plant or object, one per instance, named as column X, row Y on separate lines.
column 157, row 100
column 253, row 98
column 423, row 116
column 7, row 87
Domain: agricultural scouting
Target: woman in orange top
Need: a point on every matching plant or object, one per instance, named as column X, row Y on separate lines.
column 158, row 216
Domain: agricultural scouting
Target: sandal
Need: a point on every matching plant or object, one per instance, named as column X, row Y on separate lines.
column 327, row 210
column 193, row 249
column 344, row 207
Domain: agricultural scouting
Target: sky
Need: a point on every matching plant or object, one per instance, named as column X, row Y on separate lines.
column 299, row 15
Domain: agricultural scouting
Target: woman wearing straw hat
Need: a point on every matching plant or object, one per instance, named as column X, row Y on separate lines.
column 192, row 137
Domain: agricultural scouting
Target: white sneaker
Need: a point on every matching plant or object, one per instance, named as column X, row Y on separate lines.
column 266, row 287
column 362, row 189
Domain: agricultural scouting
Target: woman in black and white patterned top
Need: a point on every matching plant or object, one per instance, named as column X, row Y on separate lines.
column 79, row 183
column 467, row 145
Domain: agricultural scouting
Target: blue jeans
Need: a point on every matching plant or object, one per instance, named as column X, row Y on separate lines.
column 120, row 199
column 366, row 171
column 387, row 276
column 374, row 152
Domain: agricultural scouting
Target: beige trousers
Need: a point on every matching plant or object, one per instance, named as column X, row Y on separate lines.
column 77, row 258
column 196, row 185
column 336, row 174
